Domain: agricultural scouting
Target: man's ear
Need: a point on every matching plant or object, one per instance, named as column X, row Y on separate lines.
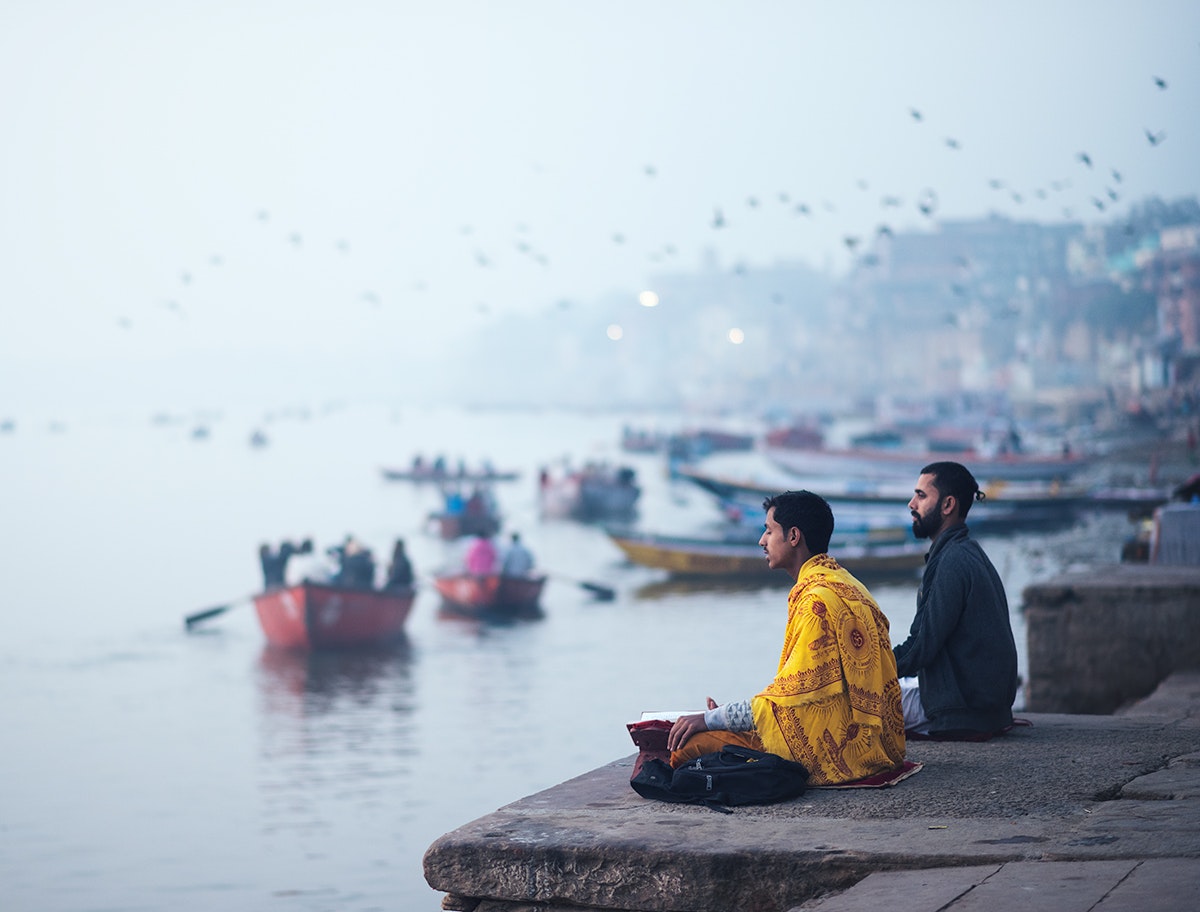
column 795, row 536
column 950, row 505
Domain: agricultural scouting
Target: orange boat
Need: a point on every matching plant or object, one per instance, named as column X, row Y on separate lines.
column 318, row 616
column 491, row 594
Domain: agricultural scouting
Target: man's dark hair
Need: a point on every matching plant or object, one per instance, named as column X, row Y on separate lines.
column 808, row 512
column 954, row 480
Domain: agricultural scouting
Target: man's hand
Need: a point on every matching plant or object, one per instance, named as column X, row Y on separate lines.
column 686, row 726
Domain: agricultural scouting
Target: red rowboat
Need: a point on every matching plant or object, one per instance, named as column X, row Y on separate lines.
column 317, row 616
column 469, row 594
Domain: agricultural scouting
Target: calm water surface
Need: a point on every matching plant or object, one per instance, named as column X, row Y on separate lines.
column 147, row 768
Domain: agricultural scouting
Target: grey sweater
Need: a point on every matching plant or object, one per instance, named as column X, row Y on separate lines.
column 960, row 645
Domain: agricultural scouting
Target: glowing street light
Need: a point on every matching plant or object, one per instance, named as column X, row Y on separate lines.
column 648, row 299
column 736, row 336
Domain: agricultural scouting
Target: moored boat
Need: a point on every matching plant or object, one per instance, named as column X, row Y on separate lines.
column 884, row 462
column 319, row 616
column 861, row 504
column 467, row 593
column 592, row 494
column 683, row 556
column 438, row 476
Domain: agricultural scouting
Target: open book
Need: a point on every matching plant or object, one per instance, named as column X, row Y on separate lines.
column 666, row 715
column 649, row 732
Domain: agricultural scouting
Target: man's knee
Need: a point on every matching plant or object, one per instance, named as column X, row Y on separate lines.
column 709, row 742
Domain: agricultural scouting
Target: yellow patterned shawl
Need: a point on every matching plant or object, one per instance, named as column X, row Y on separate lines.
column 835, row 703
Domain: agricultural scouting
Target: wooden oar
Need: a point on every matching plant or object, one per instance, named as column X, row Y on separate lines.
column 602, row 593
column 196, row 617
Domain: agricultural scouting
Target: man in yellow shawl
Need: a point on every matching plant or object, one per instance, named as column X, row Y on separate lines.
column 834, row 704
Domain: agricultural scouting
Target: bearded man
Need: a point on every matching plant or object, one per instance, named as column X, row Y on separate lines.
column 958, row 667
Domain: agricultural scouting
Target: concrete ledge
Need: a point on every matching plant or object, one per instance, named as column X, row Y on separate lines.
column 1050, row 792
column 1099, row 639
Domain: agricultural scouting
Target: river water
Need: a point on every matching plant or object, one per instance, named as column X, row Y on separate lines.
column 145, row 767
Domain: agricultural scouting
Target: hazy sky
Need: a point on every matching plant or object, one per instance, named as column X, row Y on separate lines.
column 184, row 180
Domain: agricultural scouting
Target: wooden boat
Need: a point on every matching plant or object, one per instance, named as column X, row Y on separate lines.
column 319, row 616
column 884, row 462
column 439, row 476
column 596, row 493
column 466, row 593
column 707, row 557
column 859, row 504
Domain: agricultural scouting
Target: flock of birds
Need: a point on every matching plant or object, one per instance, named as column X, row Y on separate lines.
column 926, row 202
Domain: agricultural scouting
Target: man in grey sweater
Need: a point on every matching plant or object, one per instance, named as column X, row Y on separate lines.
column 958, row 667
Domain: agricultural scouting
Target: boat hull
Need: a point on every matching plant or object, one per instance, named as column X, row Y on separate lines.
column 699, row 557
column 882, row 463
column 312, row 616
column 465, row 593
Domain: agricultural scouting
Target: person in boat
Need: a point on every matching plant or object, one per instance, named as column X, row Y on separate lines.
column 518, row 560
column 400, row 571
column 481, row 557
column 310, row 566
column 356, row 565
column 834, row 703
column 958, row 667
column 275, row 562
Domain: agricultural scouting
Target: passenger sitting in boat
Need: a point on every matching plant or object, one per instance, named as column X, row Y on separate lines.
column 310, row 566
column 518, row 560
column 455, row 505
column 834, row 704
column 356, row 568
column 481, row 556
column 400, row 573
column 274, row 563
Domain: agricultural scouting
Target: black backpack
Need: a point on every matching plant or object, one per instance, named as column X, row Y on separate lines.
column 733, row 776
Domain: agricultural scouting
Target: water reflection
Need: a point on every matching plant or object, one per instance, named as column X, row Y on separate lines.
column 674, row 586
column 302, row 684
column 497, row 617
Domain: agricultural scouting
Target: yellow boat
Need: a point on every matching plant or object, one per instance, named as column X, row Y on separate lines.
column 707, row 557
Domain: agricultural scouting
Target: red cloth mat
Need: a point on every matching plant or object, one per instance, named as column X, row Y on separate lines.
column 879, row 780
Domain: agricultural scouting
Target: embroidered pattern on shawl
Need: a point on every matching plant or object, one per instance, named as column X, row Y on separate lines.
column 834, row 704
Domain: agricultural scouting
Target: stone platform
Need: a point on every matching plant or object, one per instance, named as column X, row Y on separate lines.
column 1075, row 812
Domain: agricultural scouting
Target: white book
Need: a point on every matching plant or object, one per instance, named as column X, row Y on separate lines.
column 668, row 715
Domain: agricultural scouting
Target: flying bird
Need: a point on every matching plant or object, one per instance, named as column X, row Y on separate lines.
column 850, row 241
column 651, row 171
column 718, row 219
column 915, row 114
column 1116, row 175
column 1085, row 158
column 1155, row 138
column 752, row 202
column 1160, row 82
column 927, row 203
column 952, row 143
column 890, row 202
column 803, row 209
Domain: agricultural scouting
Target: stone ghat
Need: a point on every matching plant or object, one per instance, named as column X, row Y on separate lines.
column 1084, row 790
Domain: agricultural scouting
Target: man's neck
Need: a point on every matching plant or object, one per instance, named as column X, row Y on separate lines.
column 946, row 527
